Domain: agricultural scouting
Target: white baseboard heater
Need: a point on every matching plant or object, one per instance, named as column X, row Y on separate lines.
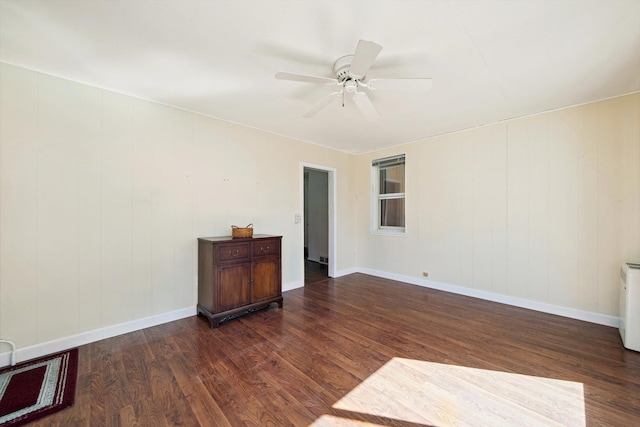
column 630, row 305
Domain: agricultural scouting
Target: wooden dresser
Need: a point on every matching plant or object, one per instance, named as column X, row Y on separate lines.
column 237, row 276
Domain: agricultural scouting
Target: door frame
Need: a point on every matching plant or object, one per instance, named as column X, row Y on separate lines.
column 331, row 195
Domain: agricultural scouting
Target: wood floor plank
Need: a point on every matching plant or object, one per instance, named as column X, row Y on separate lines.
column 361, row 350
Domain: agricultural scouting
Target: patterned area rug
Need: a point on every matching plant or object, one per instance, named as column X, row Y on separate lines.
column 38, row 387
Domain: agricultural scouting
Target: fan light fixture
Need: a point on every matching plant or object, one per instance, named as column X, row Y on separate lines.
column 350, row 72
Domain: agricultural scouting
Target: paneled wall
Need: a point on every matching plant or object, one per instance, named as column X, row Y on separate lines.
column 544, row 208
column 103, row 196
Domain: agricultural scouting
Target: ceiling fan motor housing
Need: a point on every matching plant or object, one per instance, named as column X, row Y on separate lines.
column 341, row 68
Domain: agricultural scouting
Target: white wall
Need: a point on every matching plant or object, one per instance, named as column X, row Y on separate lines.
column 103, row 197
column 544, row 208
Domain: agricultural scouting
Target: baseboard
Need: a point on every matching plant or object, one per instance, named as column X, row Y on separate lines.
column 300, row 284
column 346, row 272
column 587, row 316
column 292, row 285
column 27, row 353
column 38, row 350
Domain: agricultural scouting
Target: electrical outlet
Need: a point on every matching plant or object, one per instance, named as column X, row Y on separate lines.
column 425, row 274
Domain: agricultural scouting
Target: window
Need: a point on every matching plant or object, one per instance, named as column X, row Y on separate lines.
column 388, row 194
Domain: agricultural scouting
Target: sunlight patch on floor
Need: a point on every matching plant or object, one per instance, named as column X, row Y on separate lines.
column 436, row 394
column 332, row 421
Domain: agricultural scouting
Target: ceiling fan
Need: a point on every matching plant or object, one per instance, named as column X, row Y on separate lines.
column 350, row 72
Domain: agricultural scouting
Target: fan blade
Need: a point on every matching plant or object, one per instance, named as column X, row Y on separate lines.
column 363, row 58
column 320, row 105
column 306, row 79
column 365, row 105
column 412, row 84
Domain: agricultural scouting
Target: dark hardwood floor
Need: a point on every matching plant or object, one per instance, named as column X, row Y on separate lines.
column 361, row 348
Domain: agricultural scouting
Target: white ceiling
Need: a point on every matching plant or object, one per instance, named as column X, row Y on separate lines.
column 490, row 60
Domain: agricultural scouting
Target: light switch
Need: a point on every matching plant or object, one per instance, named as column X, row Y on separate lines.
column 297, row 218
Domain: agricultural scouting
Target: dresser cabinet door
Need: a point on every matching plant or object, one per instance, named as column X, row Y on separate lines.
column 266, row 278
column 233, row 286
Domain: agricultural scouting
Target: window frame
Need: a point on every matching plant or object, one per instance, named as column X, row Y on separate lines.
column 377, row 165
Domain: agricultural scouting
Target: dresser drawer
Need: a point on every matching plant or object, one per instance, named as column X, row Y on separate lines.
column 265, row 247
column 232, row 252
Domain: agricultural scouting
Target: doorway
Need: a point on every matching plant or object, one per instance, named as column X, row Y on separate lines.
column 318, row 224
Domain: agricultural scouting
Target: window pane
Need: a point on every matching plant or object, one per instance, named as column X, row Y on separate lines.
column 392, row 179
column 392, row 213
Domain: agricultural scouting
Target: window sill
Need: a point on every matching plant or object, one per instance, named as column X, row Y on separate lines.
column 392, row 233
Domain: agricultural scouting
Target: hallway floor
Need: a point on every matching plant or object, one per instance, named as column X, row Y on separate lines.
column 314, row 272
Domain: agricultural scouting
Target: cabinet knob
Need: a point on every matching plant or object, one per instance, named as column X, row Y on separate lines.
column 263, row 250
column 236, row 253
